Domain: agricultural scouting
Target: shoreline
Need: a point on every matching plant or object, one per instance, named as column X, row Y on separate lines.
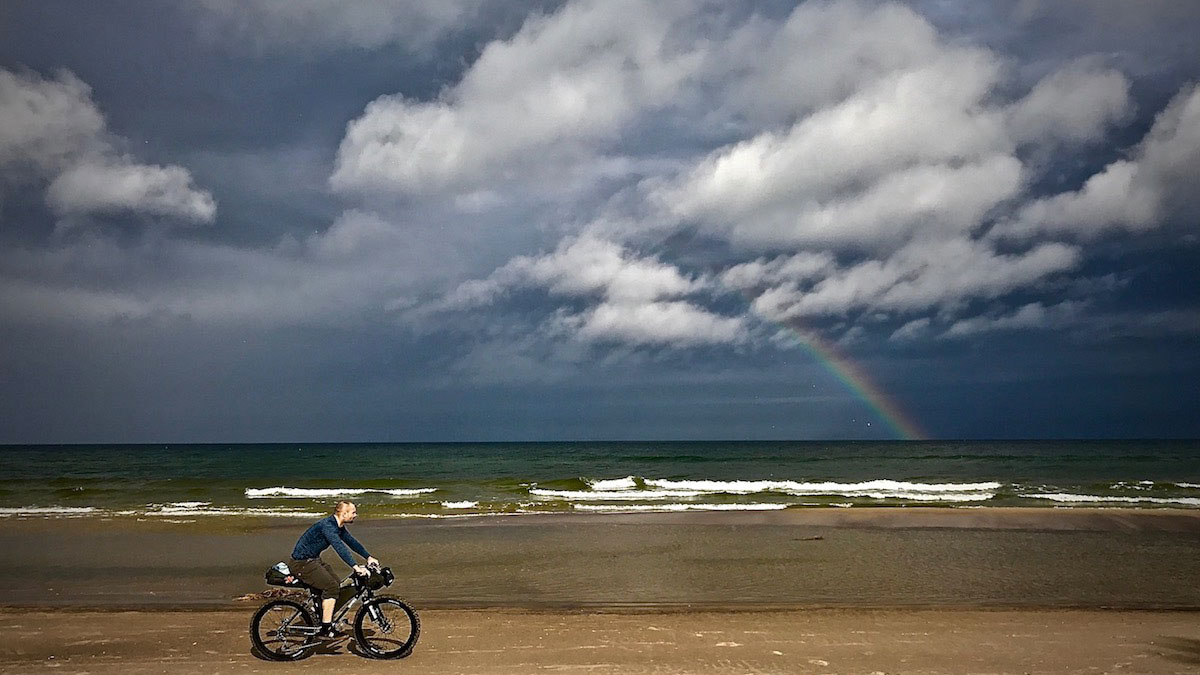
column 1098, row 518
column 922, row 517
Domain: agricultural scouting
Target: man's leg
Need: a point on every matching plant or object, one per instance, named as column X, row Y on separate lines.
column 320, row 575
column 327, row 608
column 329, row 590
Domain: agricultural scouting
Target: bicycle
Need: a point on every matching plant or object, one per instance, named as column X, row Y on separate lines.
column 385, row 627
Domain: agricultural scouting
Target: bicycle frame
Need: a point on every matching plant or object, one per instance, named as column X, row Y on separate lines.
column 361, row 595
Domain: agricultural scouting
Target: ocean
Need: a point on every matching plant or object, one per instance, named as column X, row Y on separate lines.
column 460, row 480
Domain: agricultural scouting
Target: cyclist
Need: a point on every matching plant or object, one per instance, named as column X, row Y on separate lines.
column 307, row 564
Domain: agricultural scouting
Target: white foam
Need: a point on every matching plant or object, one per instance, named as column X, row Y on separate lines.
column 48, row 510
column 460, row 505
column 678, row 507
column 626, row 483
column 611, row 495
column 1100, row 499
column 1188, row 485
column 927, row 497
column 821, row 488
column 626, row 490
column 451, row 516
column 191, row 509
column 316, row 493
column 892, row 487
column 718, row 486
column 1132, row 485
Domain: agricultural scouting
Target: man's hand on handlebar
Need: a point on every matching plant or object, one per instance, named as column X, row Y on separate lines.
column 361, row 571
column 372, row 562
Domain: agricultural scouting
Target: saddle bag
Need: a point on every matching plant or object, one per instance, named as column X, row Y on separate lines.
column 280, row 575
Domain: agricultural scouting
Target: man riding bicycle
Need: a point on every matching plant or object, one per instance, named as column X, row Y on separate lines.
column 307, row 564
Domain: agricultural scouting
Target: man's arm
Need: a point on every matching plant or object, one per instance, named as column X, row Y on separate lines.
column 349, row 539
column 331, row 535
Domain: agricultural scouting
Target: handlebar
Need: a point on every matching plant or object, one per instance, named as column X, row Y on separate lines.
column 377, row 577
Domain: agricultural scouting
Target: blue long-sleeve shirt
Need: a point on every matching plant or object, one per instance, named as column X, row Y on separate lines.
column 323, row 534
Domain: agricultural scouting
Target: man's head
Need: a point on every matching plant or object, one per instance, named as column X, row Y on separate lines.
column 345, row 512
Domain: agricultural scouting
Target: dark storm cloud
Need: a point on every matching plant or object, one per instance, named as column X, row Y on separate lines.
column 490, row 220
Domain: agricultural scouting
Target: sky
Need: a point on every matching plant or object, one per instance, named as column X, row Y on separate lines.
column 269, row 221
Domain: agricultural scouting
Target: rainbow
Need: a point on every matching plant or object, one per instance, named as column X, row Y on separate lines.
column 854, row 379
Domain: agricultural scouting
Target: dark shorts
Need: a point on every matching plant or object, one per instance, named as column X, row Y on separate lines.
column 315, row 572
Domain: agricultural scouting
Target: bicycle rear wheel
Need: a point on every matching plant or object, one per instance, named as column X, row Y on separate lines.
column 387, row 628
column 282, row 630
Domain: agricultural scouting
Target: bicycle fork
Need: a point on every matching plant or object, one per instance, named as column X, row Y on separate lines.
column 379, row 619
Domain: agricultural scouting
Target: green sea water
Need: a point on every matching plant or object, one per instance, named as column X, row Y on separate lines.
column 477, row 479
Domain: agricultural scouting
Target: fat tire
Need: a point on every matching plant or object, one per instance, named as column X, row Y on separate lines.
column 268, row 652
column 414, row 621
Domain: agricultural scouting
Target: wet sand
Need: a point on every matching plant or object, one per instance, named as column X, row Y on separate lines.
column 898, row 557
column 522, row 642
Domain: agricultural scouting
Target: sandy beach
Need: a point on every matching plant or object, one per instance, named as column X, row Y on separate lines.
column 821, row 591
column 521, row 642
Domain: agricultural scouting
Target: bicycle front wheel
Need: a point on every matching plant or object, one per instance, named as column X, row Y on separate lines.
column 387, row 628
column 282, row 630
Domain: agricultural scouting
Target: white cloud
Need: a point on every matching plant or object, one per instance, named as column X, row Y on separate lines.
column 823, row 53
column 913, row 148
column 123, row 185
column 52, row 130
column 45, row 124
column 354, row 235
column 639, row 298
column 915, row 329
column 796, row 268
column 529, row 108
column 1076, row 103
column 921, row 276
column 1034, row 315
column 1116, row 197
column 678, row 323
column 1134, row 194
column 580, row 267
column 869, row 155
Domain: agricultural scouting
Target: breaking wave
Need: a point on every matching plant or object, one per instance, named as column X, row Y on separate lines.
column 626, row 483
column 822, row 488
column 317, row 493
column 1100, row 499
column 207, row 509
column 618, row 508
column 606, row 495
column 630, row 489
column 67, row 511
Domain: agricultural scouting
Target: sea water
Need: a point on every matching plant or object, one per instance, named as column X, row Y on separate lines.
column 448, row 480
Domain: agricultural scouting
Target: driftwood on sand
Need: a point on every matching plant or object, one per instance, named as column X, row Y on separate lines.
column 270, row 594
